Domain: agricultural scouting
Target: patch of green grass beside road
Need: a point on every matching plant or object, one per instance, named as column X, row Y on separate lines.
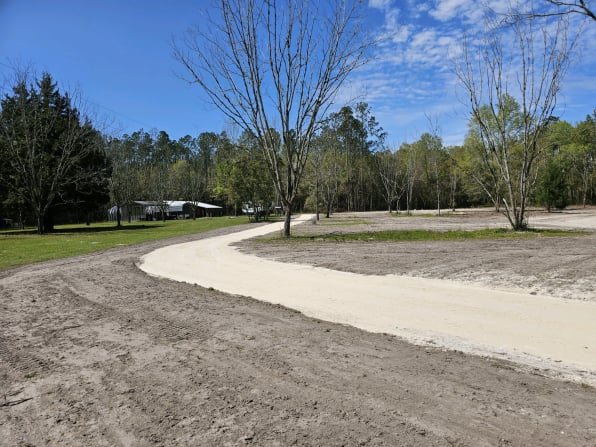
column 19, row 248
column 429, row 235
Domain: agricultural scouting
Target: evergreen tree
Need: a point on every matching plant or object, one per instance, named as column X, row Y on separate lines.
column 49, row 153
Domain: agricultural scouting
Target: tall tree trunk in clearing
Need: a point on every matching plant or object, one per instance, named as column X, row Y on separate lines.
column 274, row 69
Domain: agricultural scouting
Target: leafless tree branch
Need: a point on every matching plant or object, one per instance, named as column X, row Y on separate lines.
column 273, row 67
column 562, row 8
column 513, row 92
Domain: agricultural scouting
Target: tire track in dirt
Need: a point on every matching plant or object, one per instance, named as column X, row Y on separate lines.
column 17, row 363
column 127, row 312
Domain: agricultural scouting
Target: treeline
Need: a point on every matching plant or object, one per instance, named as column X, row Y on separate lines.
column 213, row 168
column 352, row 169
column 426, row 175
column 55, row 167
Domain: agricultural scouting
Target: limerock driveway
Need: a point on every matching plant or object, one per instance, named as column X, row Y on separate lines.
column 541, row 331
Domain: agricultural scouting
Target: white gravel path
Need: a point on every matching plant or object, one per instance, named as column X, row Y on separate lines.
column 541, row 331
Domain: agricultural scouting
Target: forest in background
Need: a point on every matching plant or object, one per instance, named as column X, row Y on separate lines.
column 65, row 171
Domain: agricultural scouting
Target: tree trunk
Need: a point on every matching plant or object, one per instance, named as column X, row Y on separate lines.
column 48, row 222
column 39, row 224
column 317, row 198
column 287, row 219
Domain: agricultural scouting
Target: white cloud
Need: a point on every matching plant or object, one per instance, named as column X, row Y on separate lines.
column 402, row 34
column 448, row 9
column 431, row 49
column 379, row 4
column 412, row 71
column 390, row 18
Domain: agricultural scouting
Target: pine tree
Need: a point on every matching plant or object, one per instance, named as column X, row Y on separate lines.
column 50, row 155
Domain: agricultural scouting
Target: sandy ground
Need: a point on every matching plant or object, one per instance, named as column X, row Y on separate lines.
column 536, row 329
column 95, row 352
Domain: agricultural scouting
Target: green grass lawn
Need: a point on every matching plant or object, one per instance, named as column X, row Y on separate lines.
column 19, row 248
column 428, row 235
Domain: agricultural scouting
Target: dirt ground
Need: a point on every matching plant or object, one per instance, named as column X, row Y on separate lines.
column 93, row 352
column 564, row 267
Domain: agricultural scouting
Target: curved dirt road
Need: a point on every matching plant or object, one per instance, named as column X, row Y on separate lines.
column 537, row 330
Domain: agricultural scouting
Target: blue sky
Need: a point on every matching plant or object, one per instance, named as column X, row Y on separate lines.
column 117, row 53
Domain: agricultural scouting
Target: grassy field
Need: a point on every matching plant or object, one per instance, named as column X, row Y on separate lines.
column 26, row 247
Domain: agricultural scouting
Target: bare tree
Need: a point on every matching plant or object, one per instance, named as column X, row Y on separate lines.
column 435, row 156
column 410, row 162
column 512, row 87
column 453, row 171
column 124, row 181
column 576, row 7
column 388, row 168
column 316, row 162
column 330, row 168
column 276, row 64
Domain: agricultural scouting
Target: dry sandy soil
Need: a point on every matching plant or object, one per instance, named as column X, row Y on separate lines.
column 564, row 267
column 95, row 352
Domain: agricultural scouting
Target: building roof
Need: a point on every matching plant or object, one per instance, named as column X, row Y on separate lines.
column 174, row 205
column 177, row 205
